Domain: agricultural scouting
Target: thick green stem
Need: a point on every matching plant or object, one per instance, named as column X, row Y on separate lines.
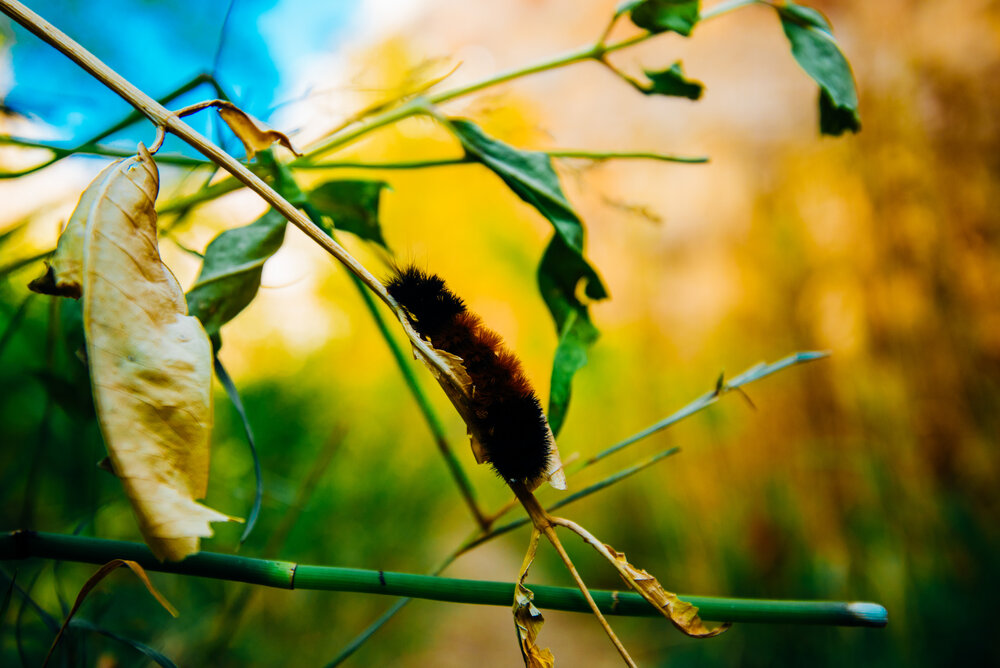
column 288, row 575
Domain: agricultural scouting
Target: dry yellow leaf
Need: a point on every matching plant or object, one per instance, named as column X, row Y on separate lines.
column 255, row 135
column 528, row 619
column 150, row 363
column 63, row 272
column 684, row 615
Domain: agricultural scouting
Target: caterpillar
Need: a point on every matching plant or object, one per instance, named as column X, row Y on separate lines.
column 508, row 417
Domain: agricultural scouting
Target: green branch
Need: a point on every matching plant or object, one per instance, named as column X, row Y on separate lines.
column 596, row 156
column 755, row 372
column 288, row 575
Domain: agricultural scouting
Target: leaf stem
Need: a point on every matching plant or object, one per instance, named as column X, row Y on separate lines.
column 288, row 575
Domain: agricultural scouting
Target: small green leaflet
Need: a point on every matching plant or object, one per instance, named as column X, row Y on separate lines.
column 563, row 270
column 353, row 206
column 230, row 275
column 816, row 51
column 672, row 82
column 679, row 16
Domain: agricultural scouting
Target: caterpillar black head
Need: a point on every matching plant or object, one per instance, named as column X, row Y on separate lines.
column 430, row 304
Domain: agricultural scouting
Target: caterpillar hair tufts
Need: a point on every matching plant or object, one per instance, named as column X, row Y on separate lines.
column 508, row 418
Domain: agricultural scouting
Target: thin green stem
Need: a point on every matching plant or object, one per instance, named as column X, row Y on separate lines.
column 288, row 575
column 755, row 372
column 90, row 145
column 726, row 7
column 597, row 156
column 59, row 153
column 566, row 500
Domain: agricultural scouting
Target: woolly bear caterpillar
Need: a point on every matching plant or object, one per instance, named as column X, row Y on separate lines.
column 509, row 418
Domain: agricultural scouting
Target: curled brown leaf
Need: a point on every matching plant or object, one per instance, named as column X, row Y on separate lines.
column 682, row 614
column 255, row 135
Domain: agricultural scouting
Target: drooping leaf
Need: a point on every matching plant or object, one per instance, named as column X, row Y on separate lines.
column 150, row 362
column 530, row 175
column 679, row 16
column 559, row 278
column 816, row 51
column 230, row 274
column 672, row 81
column 255, row 135
column 682, row 614
column 528, row 619
column 93, row 581
column 351, row 206
column 564, row 275
column 577, row 336
column 234, row 397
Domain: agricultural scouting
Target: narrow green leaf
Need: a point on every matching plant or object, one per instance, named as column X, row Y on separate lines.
column 234, row 397
column 352, row 206
column 150, row 653
column 672, row 82
column 679, row 16
column 230, row 276
column 816, row 51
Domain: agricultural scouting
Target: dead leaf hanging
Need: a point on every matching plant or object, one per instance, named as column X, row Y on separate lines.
column 255, row 135
column 150, row 362
column 682, row 614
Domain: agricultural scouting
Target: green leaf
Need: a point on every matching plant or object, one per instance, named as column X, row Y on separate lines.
column 280, row 178
column 234, row 397
column 353, row 207
column 816, row 51
column 230, row 275
column 672, row 82
column 564, row 272
column 557, row 277
column 679, row 16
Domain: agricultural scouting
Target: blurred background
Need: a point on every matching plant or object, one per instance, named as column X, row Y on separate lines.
column 871, row 475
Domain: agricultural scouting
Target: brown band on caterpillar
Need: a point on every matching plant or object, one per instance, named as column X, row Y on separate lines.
column 508, row 417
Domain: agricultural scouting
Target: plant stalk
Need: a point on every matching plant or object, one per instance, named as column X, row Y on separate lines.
column 288, row 575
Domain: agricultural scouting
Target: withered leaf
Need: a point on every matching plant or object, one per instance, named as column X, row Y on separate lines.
column 682, row 614
column 256, row 136
column 150, row 362
column 528, row 620
column 63, row 272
